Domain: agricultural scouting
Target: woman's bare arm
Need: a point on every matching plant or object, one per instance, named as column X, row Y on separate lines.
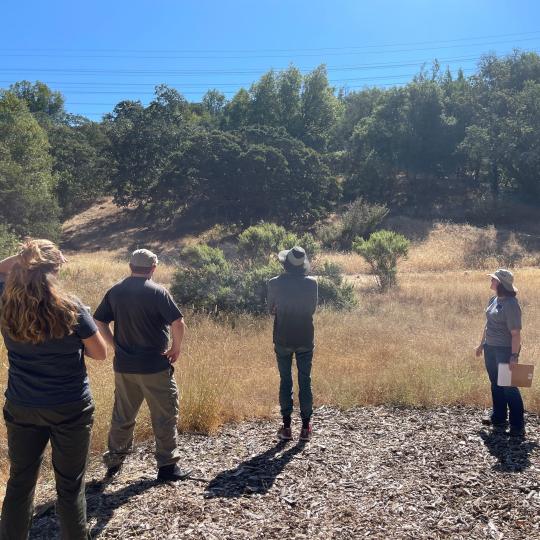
column 95, row 347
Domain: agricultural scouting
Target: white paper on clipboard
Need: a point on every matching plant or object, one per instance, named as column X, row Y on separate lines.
column 504, row 376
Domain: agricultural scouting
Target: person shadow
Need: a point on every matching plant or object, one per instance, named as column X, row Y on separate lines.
column 255, row 475
column 512, row 453
column 99, row 506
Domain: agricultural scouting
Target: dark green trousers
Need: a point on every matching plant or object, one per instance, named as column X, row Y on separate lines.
column 29, row 430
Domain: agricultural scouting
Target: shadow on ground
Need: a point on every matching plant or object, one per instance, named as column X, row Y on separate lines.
column 100, row 505
column 512, row 453
column 256, row 475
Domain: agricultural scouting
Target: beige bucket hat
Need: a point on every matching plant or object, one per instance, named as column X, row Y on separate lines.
column 505, row 278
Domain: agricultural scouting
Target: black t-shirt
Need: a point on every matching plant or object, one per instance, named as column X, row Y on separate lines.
column 49, row 373
column 142, row 311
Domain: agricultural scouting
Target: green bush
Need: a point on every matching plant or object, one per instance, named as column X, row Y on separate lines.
column 360, row 219
column 382, row 251
column 333, row 291
column 8, row 242
column 251, row 287
column 259, row 242
column 204, row 279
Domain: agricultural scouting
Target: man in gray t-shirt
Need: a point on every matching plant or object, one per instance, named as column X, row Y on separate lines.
column 143, row 312
column 292, row 298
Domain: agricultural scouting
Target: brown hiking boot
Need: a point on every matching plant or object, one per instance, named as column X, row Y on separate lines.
column 284, row 433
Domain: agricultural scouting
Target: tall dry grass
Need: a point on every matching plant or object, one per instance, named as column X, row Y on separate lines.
column 411, row 346
column 449, row 246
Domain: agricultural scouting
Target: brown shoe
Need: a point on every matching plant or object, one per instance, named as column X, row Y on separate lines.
column 305, row 433
column 284, row 433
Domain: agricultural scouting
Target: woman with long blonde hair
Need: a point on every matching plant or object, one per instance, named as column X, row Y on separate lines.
column 47, row 333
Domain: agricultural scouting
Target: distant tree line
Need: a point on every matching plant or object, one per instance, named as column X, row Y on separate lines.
column 289, row 149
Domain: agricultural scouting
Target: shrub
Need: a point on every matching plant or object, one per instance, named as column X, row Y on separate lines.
column 204, row 280
column 333, row 291
column 8, row 242
column 207, row 281
column 360, row 219
column 251, row 287
column 382, row 251
column 259, row 242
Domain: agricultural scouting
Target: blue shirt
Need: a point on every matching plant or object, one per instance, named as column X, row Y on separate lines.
column 50, row 373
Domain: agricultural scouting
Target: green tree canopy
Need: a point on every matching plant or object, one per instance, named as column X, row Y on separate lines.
column 26, row 181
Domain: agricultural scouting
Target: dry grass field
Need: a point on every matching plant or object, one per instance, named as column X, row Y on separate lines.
column 412, row 346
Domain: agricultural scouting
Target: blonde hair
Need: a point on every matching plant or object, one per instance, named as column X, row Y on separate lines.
column 34, row 307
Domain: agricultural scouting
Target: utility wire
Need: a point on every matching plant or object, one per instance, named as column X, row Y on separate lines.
column 399, row 44
column 244, row 57
column 212, row 85
column 240, row 72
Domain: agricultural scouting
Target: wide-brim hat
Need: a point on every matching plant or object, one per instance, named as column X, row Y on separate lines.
column 505, row 278
column 296, row 257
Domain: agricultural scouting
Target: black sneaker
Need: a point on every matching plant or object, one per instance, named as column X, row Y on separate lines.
column 113, row 471
column 518, row 432
column 487, row 421
column 172, row 473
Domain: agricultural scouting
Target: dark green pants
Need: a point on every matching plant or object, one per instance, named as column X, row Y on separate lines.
column 29, row 430
column 304, row 357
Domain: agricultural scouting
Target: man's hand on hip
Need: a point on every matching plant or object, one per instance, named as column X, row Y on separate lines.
column 172, row 354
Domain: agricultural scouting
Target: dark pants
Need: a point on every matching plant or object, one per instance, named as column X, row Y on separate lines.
column 304, row 357
column 29, row 430
column 505, row 398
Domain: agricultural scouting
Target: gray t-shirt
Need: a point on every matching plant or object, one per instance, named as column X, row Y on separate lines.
column 142, row 311
column 293, row 300
column 503, row 315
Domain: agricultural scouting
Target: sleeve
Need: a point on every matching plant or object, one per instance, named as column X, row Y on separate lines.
column 513, row 316
column 270, row 297
column 168, row 308
column 104, row 312
column 86, row 327
column 315, row 297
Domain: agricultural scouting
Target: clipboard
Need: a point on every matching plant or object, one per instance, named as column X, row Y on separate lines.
column 521, row 375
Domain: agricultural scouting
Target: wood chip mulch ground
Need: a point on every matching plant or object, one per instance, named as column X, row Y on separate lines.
column 378, row 472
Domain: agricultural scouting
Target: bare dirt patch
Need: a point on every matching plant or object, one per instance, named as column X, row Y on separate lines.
column 374, row 472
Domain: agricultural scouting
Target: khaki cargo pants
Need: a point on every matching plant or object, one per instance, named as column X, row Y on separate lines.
column 161, row 395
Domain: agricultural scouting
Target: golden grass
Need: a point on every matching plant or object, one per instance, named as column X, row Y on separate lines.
column 412, row 346
column 449, row 246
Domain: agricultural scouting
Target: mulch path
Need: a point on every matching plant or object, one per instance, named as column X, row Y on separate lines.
column 375, row 472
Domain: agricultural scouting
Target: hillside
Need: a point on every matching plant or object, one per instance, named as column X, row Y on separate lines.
column 374, row 472
column 104, row 226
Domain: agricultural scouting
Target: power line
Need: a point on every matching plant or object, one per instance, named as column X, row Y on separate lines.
column 194, row 72
column 227, row 92
column 209, row 85
column 114, row 104
column 244, row 57
column 402, row 44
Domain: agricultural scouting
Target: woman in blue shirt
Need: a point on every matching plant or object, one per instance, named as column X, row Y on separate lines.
column 501, row 343
column 47, row 332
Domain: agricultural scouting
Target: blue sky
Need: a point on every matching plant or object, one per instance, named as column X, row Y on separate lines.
column 98, row 53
